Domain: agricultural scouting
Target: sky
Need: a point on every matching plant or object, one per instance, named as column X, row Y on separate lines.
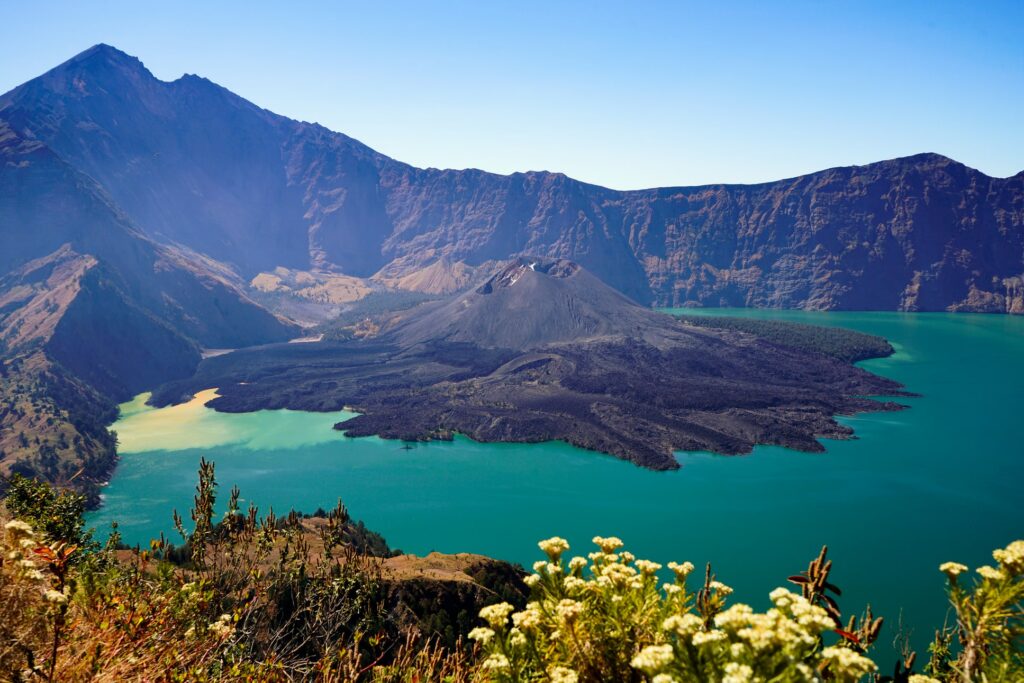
column 621, row 94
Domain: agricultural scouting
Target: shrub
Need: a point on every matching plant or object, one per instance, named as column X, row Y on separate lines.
column 608, row 617
column 247, row 598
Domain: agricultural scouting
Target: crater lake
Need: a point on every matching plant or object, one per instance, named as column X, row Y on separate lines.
column 940, row 481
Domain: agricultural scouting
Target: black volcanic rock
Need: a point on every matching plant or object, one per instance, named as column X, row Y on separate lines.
column 529, row 303
column 543, row 350
column 193, row 164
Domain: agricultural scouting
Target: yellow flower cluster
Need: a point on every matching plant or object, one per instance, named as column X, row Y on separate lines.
column 223, row 627
column 497, row 615
column 609, row 619
column 847, row 665
column 654, row 658
column 560, row 674
column 1011, row 558
column 554, row 547
column 952, row 569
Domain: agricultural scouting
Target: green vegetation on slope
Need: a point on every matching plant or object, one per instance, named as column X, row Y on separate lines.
column 242, row 598
column 53, row 425
column 846, row 345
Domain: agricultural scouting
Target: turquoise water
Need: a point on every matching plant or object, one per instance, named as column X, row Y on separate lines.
column 941, row 481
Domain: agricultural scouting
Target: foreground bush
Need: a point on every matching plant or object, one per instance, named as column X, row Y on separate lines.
column 244, row 598
column 265, row 599
column 608, row 617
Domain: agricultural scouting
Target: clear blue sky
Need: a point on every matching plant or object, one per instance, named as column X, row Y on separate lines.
column 624, row 94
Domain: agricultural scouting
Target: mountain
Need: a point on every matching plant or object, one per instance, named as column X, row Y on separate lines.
column 544, row 350
column 528, row 303
column 92, row 311
column 195, row 165
column 143, row 221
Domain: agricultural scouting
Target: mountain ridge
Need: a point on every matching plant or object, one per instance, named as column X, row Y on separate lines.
column 115, row 53
column 922, row 232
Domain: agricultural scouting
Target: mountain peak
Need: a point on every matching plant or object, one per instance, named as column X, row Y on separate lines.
column 101, row 64
column 514, row 271
column 105, row 54
column 930, row 159
column 529, row 303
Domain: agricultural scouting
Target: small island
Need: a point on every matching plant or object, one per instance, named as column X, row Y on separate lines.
column 543, row 350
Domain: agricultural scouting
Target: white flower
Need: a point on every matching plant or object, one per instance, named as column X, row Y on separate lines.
column 652, row 658
column 608, row 545
column 647, row 567
column 737, row 673
column 684, row 625
column 671, row 589
column 577, row 563
column 18, row 529
column 542, row 567
column 990, row 573
column 702, row 637
column 223, row 626
column 681, row 570
column 1011, row 558
column 918, row 678
column 496, row 662
column 845, row 664
column 481, row 634
column 569, row 609
column 55, row 597
column 781, row 597
column 574, row 584
column 554, row 547
column 618, row 574
column 532, row 580
column 734, row 618
column 496, row 615
column 528, row 618
column 517, row 638
column 560, row 674
column 664, row 678
column 720, row 587
column 952, row 569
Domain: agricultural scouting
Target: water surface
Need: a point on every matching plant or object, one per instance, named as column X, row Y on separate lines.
column 941, row 481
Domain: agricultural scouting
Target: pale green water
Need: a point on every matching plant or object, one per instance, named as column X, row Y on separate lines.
column 940, row 481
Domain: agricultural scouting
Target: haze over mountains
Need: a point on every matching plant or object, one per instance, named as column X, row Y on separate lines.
column 193, row 164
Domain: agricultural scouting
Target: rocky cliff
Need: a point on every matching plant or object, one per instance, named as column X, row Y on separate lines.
column 194, row 164
column 92, row 311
